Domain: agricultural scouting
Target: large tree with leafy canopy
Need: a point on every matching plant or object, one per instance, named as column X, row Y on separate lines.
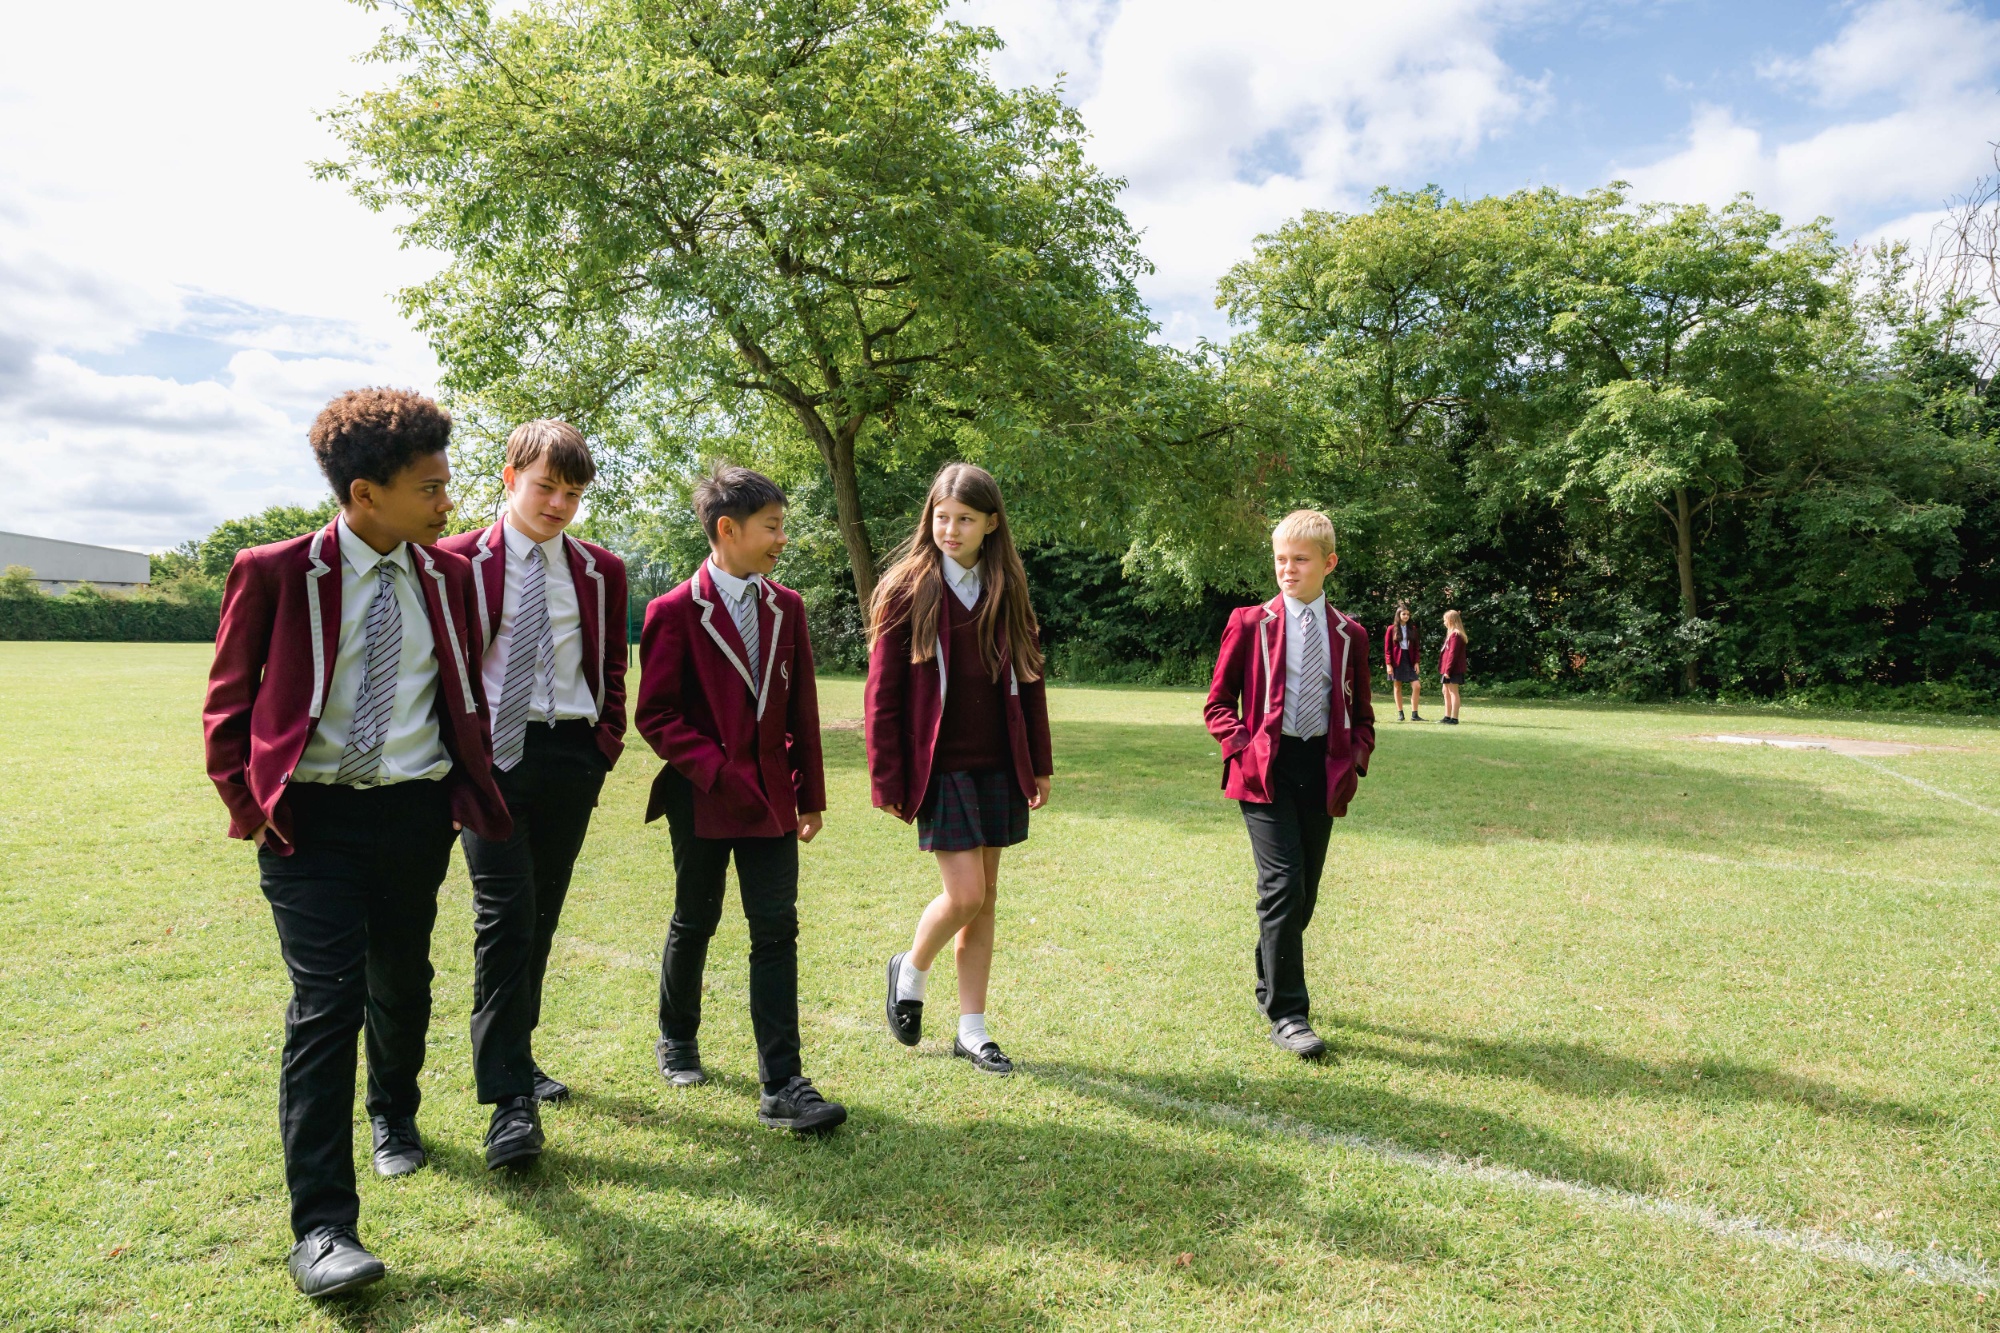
column 822, row 207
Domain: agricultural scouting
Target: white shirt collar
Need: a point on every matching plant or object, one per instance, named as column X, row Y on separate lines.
column 728, row 584
column 519, row 542
column 361, row 557
column 1294, row 607
column 961, row 575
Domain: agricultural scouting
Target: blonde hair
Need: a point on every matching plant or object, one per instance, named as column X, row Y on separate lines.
column 1456, row 622
column 1306, row 525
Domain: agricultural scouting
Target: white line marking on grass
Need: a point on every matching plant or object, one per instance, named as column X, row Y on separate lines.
column 1918, row 782
column 1936, row 1268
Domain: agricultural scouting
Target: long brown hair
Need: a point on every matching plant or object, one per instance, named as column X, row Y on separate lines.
column 913, row 589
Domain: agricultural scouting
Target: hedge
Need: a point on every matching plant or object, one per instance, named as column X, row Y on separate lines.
column 100, row 618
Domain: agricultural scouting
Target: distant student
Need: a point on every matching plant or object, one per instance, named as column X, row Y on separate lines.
column 1453, row 663
column 727, row 698
column 552, row 637
column 958, row 734
column 345, row 732
column 1402, row 653
column 1290, row 706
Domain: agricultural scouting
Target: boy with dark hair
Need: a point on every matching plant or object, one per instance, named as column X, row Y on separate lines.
column 553, row 645
column 1290, row 705
column 344, row 734
column 727, row 698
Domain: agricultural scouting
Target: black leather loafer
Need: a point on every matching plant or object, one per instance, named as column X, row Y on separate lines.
column 514, row 1138
column 332, row 1260
column 399, row 1149
column 987, row 1059
column 550, row 1090
column 680, row 1062
column 1296, row 1035
column 799, row 1107
column 906, row 1017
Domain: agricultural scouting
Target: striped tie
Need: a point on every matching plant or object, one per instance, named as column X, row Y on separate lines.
column 1313, row 682
column 361, row 761
column 531, row 664
column 745, row 611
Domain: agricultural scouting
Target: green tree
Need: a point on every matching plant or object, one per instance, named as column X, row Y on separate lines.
column 216, row 552
column 657, row 207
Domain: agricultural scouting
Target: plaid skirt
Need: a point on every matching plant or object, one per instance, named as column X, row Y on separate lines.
column 967, row 810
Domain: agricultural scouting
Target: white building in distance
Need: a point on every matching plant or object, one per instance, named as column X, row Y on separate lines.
column 60, row 566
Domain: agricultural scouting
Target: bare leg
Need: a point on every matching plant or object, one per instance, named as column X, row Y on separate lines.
column 1451, row 701
column 974, row 954
column 965, row 895
column 1396, row 688
column 1416, row 697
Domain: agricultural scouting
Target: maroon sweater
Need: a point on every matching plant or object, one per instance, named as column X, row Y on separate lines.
column 972, row 735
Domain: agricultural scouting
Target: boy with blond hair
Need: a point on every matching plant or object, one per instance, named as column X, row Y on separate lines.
column 1290, row 706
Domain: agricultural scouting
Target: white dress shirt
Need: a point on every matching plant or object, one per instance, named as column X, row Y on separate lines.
column 574, row 697
column 963, row 582
column 412, row 748
column 1404, row 629
column 1294, row 637
column 732, row 587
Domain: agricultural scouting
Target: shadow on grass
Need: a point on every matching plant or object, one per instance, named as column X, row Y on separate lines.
column 1323, row 1100
column 1582, row 1070
column 889, row 1223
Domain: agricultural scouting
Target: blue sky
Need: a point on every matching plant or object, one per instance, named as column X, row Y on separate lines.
column 178, row 296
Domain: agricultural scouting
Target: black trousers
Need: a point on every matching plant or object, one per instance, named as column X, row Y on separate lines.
column 767, row 879
column 354, row 904
column 518, row 890
column 1288, row 836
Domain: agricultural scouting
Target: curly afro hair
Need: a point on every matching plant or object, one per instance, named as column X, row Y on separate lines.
column 376, row 433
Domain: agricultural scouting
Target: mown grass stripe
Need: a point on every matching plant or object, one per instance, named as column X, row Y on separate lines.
column 1934, row 1268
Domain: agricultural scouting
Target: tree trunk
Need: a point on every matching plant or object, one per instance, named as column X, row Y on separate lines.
column 1683, row 520
column 837, row 452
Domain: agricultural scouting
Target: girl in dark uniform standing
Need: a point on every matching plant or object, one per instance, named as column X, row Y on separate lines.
column 1402, row 654
column 958, row 735
column 1453, row 663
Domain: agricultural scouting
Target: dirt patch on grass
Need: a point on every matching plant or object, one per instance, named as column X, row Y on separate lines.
column 1837, row 744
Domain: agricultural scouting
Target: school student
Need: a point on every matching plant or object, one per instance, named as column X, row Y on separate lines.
column 551, row 636
column 1453, row 663
column 1290, row 705
column 727, row 698
column 1402, row 653
column 345, row 732
column 958, row 735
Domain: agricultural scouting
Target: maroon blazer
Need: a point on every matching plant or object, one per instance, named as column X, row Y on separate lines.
column 599, row 579
column 904, row 703
column 754, row 759
column 274, row 658
column 1454, row 659
column 1392, row 647
column 1246, row 703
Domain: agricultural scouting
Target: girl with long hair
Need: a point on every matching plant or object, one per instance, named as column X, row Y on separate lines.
column 1402, row 653
column 958, row 734
column 1453, row 663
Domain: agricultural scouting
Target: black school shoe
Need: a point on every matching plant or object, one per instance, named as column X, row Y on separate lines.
column 906, row 1017
column 551, row 1090
column 987, row 1059
column 514, row 1138
column 1296, row 1035
column 332, row 1260
column 1415, row 716
column 680, row 1062
column 399, row 1149
column 798, row 1107
column 1400, row 717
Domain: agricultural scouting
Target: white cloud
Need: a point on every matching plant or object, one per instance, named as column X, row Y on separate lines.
column 1919, row 82
column 1228, row 119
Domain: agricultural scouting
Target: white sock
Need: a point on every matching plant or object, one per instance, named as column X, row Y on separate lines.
column 972, row 1032
column 910, row 982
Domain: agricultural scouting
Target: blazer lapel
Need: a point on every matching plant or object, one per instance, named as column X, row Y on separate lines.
column 725, row 635
column 445, row 642
column 1271, row 647
column 589, row 583
column 769, row 620
column 489, row 580
column 323, row 610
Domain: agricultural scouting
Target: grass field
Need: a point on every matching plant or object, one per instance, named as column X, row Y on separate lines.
column 1566, row 944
